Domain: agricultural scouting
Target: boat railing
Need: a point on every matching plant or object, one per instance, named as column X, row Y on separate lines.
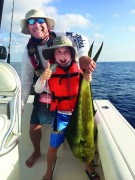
column 10, row 110
column 115, row 142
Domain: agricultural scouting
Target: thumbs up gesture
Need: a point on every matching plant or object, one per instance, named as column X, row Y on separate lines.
column 46, row 74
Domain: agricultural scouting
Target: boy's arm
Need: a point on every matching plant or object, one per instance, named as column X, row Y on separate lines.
column 40, row 87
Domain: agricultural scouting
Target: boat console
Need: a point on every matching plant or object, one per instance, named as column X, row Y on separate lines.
column 10, row 121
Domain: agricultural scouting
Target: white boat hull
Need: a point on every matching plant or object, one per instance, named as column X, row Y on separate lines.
column 115, row 141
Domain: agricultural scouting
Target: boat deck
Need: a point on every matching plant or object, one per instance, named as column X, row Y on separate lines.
column 66, row 166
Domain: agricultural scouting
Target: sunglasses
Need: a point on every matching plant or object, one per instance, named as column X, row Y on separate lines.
column 33, row 21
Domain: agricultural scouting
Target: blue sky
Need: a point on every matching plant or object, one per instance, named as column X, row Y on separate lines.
column 111, row 22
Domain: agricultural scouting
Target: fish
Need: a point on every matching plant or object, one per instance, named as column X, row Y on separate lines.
column 95, row 58
column 80, row 130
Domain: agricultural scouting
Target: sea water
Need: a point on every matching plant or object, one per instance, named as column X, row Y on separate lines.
column 114, row 81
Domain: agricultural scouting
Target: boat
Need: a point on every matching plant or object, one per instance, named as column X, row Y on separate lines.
column 115, row 138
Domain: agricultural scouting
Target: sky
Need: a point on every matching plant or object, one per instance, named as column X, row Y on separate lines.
column 111, row 22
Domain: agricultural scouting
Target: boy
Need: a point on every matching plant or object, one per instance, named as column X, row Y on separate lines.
column 63, row 86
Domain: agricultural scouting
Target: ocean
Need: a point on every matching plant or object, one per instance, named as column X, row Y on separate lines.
column 114, row 81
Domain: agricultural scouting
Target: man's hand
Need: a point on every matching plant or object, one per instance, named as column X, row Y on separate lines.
column 87, row 64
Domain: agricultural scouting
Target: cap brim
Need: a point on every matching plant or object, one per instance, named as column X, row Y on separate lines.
column 48, row 53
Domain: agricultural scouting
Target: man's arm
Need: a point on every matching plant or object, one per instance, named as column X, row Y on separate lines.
column 27, row 73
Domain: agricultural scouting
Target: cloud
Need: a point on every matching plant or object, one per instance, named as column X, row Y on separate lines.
column 116, row 15
column 4, row 39
column 132, row 11
column 70, row 21
column 131, row 28
column 121, row 28
column 98, row 36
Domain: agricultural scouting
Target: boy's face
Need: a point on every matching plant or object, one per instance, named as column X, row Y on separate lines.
column 62, row 55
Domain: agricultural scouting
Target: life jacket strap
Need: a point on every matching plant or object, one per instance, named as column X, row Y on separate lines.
column 62, row 98
column 65, row 75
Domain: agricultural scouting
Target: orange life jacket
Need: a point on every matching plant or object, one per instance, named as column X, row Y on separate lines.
column 64, row 87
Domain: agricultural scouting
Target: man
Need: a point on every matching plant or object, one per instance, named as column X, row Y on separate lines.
column 40, row 28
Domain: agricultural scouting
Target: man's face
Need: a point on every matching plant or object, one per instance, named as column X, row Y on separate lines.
column 62, row 55
column 38, row 30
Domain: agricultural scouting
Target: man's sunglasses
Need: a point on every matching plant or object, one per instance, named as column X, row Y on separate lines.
column 34, row 20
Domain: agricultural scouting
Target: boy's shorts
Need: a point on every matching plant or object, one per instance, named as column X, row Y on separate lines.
column 57, row 137
column 41, row 114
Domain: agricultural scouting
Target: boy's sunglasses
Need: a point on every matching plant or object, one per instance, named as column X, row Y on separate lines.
column 34, row 20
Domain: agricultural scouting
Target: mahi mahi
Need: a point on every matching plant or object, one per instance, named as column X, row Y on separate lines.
column 80, row 130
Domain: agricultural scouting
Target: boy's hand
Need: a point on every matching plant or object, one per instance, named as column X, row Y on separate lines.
column 88, row 77
column 46, row 74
